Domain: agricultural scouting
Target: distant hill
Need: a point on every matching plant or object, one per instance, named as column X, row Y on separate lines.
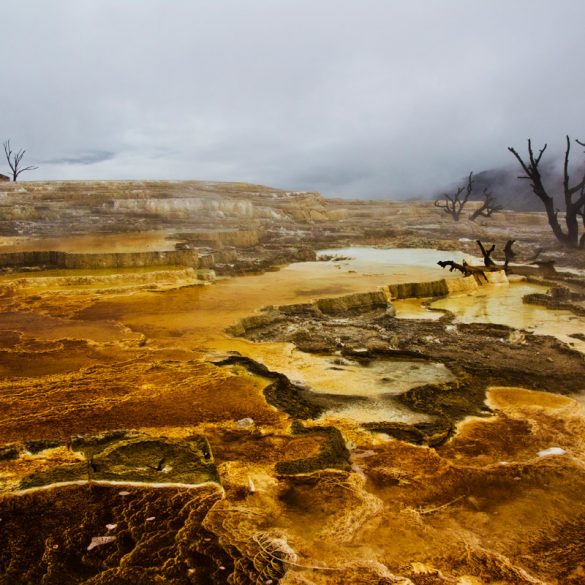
column 512, row 192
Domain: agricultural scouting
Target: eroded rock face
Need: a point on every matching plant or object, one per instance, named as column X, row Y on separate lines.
column 437, row 288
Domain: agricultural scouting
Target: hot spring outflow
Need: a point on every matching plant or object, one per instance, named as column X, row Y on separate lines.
column 327, row 410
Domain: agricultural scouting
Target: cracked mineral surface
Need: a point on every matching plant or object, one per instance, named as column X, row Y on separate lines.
column 296, row 421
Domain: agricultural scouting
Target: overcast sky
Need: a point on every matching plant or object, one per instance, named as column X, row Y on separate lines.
column 361, row 98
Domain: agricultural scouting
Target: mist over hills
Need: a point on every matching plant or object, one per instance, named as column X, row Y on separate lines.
column 511, row 191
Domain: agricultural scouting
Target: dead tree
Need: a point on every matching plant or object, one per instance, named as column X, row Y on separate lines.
column 15, row 161
column 489, row 206
column 489, row 265
column 452, row 265
column 509, row 254
column 465, row 268
column 453, row 204
column 574, row 196
column 487, row 261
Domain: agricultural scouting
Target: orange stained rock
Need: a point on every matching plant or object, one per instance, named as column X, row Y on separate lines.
column 132, row 394
column 504, row 397
column 89, row 243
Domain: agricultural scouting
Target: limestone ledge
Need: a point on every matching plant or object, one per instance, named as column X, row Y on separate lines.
column 111, row 205
column 170, row 277
column 220, row 238
column 443, row 287
column 121, row 458
column 100, row 260
column 368, row 301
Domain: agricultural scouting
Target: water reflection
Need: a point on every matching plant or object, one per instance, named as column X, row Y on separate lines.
column 389, row 261
column 503, row 305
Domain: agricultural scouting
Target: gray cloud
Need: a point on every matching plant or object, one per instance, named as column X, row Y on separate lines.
column 82, row 158
column 362, row 99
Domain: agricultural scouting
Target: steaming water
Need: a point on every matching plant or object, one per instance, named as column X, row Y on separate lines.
column 374, row 384
column 376, row 410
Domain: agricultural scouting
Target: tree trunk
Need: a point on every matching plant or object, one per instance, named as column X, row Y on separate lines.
column 573, row 207
column 572, row 226
column 553, row 221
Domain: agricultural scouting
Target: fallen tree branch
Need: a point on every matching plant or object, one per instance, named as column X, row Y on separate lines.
column 465, row 269
column 486, row 253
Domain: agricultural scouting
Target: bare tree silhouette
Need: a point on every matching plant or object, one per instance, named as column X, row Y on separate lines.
column 489, row 206
column 453, row 204
column 15, row 161
column 574, row 196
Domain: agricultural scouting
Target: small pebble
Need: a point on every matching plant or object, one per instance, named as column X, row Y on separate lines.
column 99, row 541
column 551, row 451
column 245, row 423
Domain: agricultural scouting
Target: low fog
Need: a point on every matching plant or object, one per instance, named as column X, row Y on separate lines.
column 354, row 99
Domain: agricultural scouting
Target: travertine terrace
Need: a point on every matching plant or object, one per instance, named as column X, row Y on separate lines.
column 189, row 397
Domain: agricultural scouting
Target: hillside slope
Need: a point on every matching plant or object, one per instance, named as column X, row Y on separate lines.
column 56, row 207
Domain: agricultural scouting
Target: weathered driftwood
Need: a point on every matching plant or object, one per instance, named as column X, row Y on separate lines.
column 489, row 264
column 487, row 261
column 465, row 268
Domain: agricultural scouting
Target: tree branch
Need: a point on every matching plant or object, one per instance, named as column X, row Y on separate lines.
column 14, row 160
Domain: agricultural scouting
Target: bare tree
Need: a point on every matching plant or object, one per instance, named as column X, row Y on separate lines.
column 574, row 196
column 489, row 206
column 15, row 161
column 453, row 204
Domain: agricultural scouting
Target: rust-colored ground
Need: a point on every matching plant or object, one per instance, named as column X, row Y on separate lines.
column 484, row 507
